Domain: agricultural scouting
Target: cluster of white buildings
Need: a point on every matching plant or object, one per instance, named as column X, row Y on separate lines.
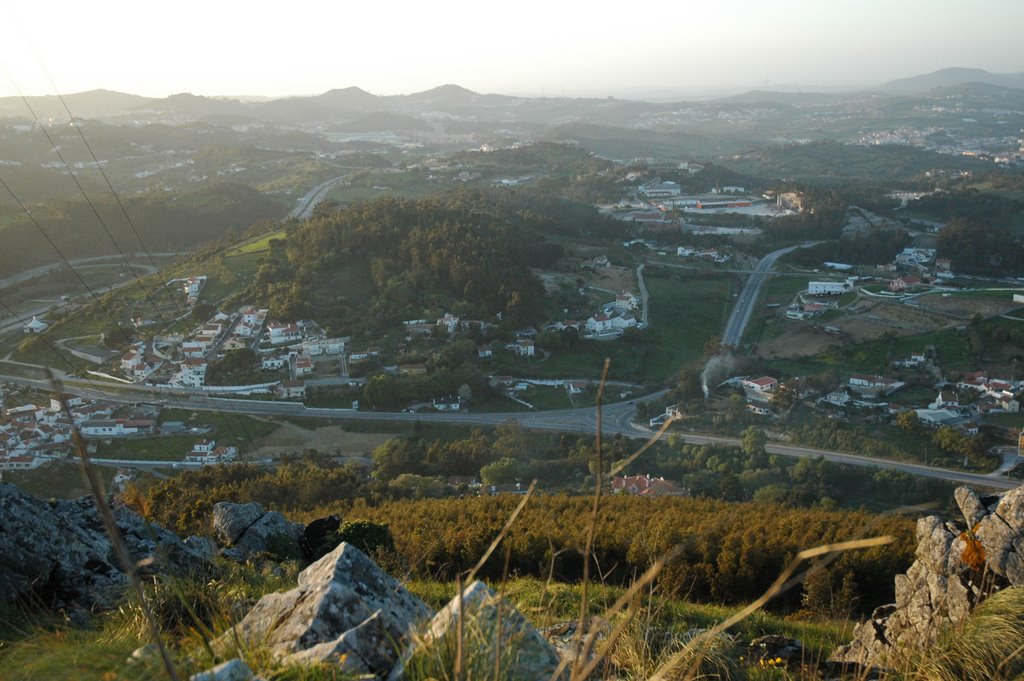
column 613, row 318
column 206, row 452
column 712, row 254
column 448, row 324
column 31, row 435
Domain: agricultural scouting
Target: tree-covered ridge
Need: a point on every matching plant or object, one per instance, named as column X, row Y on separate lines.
column 466, row 251
column 164, row 223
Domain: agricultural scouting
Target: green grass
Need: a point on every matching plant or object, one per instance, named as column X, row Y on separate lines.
column 782, row 289
column 989, row 294
column 876, row 356
column 37, row 647
column 1013, row 421
column 228, row 429
column 684, row 314
column 560, row 602
column 139, row 448
column 58, row 479
column 258, row 245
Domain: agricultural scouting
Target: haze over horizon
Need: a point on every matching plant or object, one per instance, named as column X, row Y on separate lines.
column 659, row 49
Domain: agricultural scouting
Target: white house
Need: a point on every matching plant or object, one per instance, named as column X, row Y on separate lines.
column 827, row 288
column 273, row 363
column 874, row 384
column 291, row 389
column 283, row 333
column 449, row 322
column 946, row 398
column 207, row 452
column 626, row 301
column 315, row 347
column 525, row 348
column 764, row 384
column 13, row 463
column 192, row 372
column 449, row 403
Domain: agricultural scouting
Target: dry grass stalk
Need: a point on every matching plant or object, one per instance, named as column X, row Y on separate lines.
column 647, row 445
column 592, row 527
column 110, row 525
column 629, row 598
column 778, row 586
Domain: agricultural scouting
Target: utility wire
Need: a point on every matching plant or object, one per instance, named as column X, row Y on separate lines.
column 100, row 303
column 103, row 224
column 110, row 186
column 92, row 384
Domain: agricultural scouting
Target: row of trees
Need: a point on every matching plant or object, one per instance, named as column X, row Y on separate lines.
column 726, row 552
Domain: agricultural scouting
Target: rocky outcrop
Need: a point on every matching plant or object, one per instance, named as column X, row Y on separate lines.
column 344, row 607
column 59, row 554
column 248, row 529
column 492, row 628
column 957, row 564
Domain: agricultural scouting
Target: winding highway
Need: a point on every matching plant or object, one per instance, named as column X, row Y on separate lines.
column 305, row 205
column 748, row 297
column 617, row 419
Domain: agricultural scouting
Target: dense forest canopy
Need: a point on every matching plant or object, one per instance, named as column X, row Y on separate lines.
column 468, row 251
column 975, row 248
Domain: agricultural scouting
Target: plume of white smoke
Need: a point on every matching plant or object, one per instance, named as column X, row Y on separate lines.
column 715, row 371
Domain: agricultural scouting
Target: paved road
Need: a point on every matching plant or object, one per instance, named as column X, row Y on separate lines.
column 304, row 206
column 11, row 323
column 617, row 420
column 45, row 269
column 644, row 297
column 748, row 297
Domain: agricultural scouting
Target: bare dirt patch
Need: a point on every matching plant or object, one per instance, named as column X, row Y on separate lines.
column 800, row 341
column 966, row 307
column 872, row 320
column 611, row 279
column 291, row 439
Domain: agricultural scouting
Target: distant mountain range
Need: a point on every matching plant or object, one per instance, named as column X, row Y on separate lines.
column 945, row 78
column 357, row 110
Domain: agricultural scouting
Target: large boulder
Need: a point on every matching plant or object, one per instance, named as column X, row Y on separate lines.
column 231, row 520
column 272, row 533
column 343, row 600
column 492, row 629
column 60, row 554
column 249, row 529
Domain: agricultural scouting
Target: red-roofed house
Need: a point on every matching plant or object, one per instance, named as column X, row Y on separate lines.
column 764, row 384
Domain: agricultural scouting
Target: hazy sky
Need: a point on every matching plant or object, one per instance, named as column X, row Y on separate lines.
column 224, row 47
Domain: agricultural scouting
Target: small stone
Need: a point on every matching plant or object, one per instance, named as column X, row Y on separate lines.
column 232, row 670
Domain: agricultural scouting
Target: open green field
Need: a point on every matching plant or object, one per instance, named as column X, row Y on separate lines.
column 228, row 425
column 684, row 314
column 953, row 348
column 146, row 448
column 258, row 245
column 988, row 293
